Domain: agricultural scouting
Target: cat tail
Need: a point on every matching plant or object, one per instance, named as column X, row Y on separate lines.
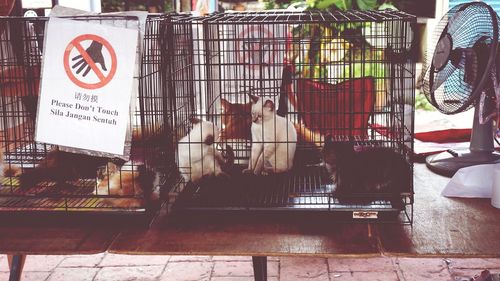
column 307, row 136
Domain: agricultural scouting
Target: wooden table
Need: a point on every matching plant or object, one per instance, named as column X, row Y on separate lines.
column 442, row 227
column 451, row 227
column 55, row 239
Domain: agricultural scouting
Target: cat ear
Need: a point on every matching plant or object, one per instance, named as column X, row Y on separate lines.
column 253, row 98
column 225, row 104
column 194, row 120
column 269, row 104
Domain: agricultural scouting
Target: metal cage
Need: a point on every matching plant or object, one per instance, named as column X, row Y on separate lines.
column 344, row 74
column 68, row 182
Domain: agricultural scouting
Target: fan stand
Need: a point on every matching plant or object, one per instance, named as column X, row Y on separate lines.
column 481, row 151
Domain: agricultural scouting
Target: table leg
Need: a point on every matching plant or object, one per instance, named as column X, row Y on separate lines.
column 260, row 268
column 16, row 264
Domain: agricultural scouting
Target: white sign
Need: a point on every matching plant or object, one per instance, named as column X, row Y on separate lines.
column 86, row 87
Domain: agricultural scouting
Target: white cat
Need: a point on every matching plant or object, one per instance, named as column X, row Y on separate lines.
column 198, row 156
column 274, row 139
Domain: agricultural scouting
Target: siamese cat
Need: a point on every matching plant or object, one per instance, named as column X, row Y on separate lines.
column 274, row 139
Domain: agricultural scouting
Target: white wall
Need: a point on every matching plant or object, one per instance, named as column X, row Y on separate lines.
column 441, row 9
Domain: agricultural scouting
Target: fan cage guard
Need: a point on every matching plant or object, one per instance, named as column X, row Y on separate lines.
column 21, row 46
column 346, row 74
column 455, row 95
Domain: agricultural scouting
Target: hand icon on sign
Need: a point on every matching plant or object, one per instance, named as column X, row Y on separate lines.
column 95, row 53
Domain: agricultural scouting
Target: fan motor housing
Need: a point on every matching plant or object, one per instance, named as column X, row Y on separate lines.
column 442, row 52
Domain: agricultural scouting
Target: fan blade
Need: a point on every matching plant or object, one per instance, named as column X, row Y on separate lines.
column 456, row 20
column 442, row 52
column 460, row 58
column 441, row 76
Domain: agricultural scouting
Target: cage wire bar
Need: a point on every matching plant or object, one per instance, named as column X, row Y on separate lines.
column 77, row 182
column 345, row 74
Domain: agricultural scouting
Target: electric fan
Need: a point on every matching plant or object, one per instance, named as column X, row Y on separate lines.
column 461, row 72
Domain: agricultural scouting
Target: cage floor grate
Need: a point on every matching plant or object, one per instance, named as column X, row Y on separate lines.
column 72, row 196
column 309, row 188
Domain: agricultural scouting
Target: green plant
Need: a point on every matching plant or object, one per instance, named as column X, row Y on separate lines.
column 119, row 5
column 362, row 5
column 421, row 102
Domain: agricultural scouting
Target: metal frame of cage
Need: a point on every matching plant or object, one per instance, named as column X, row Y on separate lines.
column 136, row 183
column 348, row 74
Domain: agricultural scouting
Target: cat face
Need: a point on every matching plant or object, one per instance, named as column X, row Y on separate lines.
column 236, row 119
column 333, row 152
column 262, row 109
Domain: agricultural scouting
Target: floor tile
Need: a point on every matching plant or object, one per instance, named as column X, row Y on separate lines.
column 378, row 264
column 73, row 274
column 423, row 269
column 363, row 276
column 133, row 260
column 42, row 262
column 130, row 273
column 311, row 269
column 82, row 261
column 187, row 271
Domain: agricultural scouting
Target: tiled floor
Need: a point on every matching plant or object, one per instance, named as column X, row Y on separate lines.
column 110, row 267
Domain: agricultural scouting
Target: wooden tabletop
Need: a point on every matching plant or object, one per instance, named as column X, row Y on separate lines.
column 255, row 235
column 55, row 240
column 442, row 227
column 56, row 234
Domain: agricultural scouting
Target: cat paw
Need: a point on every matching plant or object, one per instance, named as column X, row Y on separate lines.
column 257, row 172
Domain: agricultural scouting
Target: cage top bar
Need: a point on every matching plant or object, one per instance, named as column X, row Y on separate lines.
column 84, row 17
column 286, row 16
column 80, row 17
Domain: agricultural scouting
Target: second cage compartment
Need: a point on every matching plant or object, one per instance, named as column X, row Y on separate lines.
column 307, row 111
column 38, row 177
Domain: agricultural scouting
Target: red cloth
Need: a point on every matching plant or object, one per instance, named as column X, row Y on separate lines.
column 444, row 136
column 336, row 108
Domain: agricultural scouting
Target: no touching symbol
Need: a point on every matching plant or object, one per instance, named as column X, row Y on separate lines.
column 257, row 47
column 82, row 68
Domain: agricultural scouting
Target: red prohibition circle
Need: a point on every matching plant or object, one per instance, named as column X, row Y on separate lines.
column 103, row 79
column 244, row 34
